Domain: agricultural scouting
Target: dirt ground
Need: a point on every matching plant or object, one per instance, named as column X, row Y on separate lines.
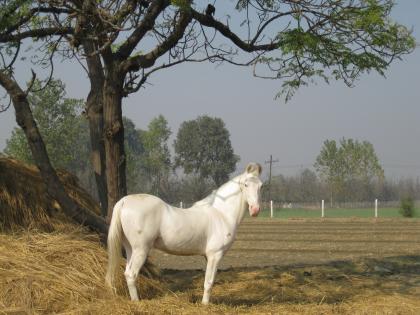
column 309, row 266
column 313, row 267
column 277, row 242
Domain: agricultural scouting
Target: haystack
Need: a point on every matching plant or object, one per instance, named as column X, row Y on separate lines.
column 59, row 270
column 62, row 272
column 24, row 201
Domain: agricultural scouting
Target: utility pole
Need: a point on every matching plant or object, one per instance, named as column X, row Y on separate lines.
column 269, row 178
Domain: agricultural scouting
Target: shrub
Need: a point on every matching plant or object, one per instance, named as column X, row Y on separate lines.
column 407, row 207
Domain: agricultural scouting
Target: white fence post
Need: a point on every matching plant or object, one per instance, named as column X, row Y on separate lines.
column 181, row 205
column 271, row 208
column 376, row 208
column 322, row 209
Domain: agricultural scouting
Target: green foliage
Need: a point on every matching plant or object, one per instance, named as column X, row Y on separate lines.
column 156, row 158
column 193, row 188
column 134, row 149
column 351, row 40
column 12, row 11
column 203, row 147
column 66, row 135
column 407, row 207
column 349, row 163
column 269, row 4
column 63, row 130
column 302, row 187
column 183, row 4
column 330, row 39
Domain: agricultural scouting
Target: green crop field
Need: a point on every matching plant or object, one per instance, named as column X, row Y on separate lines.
column 335, row 213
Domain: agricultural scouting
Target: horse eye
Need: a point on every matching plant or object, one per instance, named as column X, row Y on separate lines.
column 246, row 185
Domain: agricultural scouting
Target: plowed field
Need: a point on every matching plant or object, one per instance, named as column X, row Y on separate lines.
column 276, row 242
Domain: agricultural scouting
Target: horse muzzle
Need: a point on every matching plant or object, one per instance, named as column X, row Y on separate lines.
column 254, row 210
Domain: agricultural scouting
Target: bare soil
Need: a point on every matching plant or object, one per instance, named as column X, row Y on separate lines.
column 277, row 242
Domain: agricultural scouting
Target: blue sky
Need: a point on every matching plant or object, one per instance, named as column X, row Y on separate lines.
column 383, row 111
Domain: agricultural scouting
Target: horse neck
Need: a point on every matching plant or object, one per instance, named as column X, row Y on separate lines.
column 230, row 201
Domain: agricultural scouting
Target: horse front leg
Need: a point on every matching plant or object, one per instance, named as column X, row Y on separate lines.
column 212, row 262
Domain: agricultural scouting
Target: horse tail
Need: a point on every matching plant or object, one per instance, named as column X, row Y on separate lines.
column 114, row 244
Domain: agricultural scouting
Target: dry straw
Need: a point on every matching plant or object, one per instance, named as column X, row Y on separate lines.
column 24, row 201
column 45, row 273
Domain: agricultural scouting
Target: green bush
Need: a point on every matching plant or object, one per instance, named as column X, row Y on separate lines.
column 407, row 207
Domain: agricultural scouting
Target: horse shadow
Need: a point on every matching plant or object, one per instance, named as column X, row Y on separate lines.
column 329, row 283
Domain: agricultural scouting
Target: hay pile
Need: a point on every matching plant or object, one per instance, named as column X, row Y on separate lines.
column 24, row 201
column 44, row 273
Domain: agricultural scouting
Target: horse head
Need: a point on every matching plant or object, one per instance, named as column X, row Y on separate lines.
column 251, row 187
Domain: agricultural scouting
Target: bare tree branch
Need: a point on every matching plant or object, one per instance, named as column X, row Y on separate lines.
column 148, row 60
column 155, row 8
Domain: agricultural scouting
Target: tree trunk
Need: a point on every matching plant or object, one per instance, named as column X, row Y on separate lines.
column 96, row 127
column 94, row 111
column 55, row 188
column 114, row 139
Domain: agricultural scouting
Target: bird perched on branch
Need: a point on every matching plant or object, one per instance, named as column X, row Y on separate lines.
column 210, row 10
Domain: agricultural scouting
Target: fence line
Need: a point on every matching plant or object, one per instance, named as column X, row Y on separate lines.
column 318, row 205
column 327, row 205
column 324, row 206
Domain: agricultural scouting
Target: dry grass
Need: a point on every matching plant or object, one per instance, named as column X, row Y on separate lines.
column 62, row 273
column 44, row 273
column 24, row 201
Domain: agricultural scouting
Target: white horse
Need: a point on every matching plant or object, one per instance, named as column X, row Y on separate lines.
column 208, row 228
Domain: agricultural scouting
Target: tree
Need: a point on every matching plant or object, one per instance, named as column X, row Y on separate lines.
column 349, row 163
column 64, row 130
column 193, row 188
column 66, row 135
column 309, row 186
column 134, row 149
column 297, row 41
column 203, row 147
column 156, row 161
column 54, row 186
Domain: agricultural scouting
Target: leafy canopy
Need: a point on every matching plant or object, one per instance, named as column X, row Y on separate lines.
column 295, row 41
column 347, row 162
column 203, row 147
column 64, row 132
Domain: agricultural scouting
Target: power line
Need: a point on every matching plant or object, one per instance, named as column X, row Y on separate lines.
column 269, row 178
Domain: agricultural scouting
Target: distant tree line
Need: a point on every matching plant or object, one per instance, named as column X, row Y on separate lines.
column 345, row 171
column 308, row 187
column 203, row 158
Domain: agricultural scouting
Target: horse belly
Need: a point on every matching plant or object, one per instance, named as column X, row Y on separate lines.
column 181, row 243
column 182, row 233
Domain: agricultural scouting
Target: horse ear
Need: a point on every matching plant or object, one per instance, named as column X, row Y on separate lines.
column 254, row 168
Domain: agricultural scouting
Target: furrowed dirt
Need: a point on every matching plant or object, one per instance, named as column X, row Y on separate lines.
column 265, row 242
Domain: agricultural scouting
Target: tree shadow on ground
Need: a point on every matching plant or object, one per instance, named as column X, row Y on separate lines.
column 330, row 283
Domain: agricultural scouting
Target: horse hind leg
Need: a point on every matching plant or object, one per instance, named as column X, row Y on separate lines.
column 137, row 259
column 127, row 248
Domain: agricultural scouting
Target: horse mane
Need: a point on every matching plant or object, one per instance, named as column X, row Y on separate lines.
column 209, row 199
